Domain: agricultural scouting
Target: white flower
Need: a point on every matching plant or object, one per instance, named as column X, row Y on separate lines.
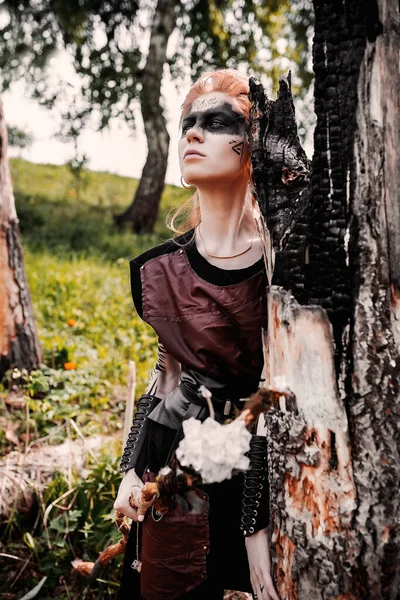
column 215, row 451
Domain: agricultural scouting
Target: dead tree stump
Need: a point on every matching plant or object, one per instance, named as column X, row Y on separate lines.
column 334, row 311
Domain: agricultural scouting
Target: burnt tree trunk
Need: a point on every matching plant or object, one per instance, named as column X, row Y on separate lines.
column 142, row 213
column 373, row 383
column 19, row 344
column 334, row 331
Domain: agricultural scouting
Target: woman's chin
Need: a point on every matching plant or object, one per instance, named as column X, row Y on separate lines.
column 193, row 178
column 196, row 177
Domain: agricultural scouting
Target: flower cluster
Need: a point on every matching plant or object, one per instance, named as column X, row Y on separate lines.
column 215, row 451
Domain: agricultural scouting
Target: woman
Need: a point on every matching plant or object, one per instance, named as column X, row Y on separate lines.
column 204, row 295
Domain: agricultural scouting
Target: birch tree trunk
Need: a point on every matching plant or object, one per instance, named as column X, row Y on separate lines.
column 143, row 212
column 19, row 344
column 334, row 332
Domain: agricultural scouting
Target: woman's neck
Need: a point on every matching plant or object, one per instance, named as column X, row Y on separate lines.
column 228, row 225
column 227, row 216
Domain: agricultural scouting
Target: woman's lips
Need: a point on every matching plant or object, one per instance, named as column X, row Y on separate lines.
column 193, row 154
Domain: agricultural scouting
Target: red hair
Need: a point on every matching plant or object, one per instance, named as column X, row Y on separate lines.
column 234, row 84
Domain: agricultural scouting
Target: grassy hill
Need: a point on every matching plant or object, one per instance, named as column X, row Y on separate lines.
column 53, row 218
column 77, row 266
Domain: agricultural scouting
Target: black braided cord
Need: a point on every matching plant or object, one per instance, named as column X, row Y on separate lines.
column 255, row 495
column 138, row 431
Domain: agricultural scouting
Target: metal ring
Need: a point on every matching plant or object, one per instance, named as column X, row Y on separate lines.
column 186, row 186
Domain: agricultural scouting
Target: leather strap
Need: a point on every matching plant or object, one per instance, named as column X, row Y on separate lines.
column 220, row 406
column 138, row 432
column 255, row 495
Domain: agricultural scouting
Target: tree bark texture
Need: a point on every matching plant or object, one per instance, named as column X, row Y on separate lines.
column 374, row 371
column 309, row 455
column 142, row 213
column 19, row 344
column 334, row 452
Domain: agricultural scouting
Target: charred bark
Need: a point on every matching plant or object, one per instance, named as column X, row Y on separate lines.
column 19, row 344
column 334, row 456
column 339, row 44
column 374, row 373
column 142, row 213
column 281, row 176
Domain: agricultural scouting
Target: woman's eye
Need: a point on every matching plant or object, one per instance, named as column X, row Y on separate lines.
column 215, row 123
column 186, row 127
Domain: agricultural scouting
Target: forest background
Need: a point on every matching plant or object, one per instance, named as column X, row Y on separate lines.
column 58, row 507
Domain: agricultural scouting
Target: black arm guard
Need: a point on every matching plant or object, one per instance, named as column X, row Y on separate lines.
column 255, row 496
column 138, row 432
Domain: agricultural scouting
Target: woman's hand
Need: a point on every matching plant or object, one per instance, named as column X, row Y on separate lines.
column 258, row 554
column 130, row 483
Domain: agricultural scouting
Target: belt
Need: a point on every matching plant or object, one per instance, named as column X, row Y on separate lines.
column 223, row 407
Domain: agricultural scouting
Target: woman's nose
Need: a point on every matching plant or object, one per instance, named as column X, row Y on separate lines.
column 195, row 134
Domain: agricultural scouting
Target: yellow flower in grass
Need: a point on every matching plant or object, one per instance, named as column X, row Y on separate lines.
column 71, row 322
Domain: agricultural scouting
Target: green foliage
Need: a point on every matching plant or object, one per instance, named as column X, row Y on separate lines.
column 98, row 34
column 80, row 525
column 52, row 218
column 102, row 38
column 17, row 138
column 266, row 38
column 54, row 396
column 78, row 276
column 77, row 168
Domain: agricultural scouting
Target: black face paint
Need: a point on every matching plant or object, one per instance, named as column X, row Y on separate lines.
column 221, row 119
column 238, row 148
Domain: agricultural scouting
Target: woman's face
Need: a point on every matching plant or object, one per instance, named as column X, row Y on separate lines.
column 213, row 144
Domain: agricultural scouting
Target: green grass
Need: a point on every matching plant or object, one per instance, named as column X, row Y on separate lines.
column 96, row 295
column 77, row 266
column 51, row 218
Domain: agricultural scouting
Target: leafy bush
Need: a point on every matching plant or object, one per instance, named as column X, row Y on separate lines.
column 85, row 315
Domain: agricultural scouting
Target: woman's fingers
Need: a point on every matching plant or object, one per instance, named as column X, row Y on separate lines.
column 137, row 500
column 141, row 513
column 270, row 592
column 264, row 589
column 130, row 483
column 126, row 510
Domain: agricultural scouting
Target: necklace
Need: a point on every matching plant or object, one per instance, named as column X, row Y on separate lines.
column 232, row 255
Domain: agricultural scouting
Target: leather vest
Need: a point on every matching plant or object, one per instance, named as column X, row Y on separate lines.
column 210, row 329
